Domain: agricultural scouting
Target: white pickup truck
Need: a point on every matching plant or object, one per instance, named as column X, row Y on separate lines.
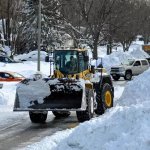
column 129, row 69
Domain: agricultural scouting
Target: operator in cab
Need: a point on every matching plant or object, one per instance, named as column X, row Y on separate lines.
column 72, row 64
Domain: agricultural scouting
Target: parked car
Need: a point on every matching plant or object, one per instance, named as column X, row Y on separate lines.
column 129, row 69
column 6, row 59
column 10, row 76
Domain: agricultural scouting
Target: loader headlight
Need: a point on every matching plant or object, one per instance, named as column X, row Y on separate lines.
column 37, row 76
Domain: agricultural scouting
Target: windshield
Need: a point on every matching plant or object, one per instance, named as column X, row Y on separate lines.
column 66, row 61
column 129, row 62
column 16, row 75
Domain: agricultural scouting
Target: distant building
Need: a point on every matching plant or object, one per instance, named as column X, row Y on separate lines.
column 146, row 48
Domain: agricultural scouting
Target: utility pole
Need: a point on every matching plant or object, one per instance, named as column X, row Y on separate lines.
column 39, row 35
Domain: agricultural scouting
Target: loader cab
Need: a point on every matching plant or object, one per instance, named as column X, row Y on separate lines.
column 71, row 61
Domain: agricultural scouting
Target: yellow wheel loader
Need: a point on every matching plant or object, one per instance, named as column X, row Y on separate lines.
column 74, row 86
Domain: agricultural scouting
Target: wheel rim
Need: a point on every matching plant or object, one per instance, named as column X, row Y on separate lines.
column 108, row 99
column 128, row 76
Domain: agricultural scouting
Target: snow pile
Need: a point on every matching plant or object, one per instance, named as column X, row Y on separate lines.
column 101, row 50
column 30, row 92
column 7, row 94
column 125, row 126
column 118, row 90
column 7, row 50
column 137, row 52
column 114, row 59
column 2, row 100
column 122, row 128
column 137, row 91
column 118, row 57
column 32, row 56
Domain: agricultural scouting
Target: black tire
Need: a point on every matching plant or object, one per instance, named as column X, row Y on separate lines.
column 103, row 102
column 89, row 112
column 38, row 117
column 116, row 78
column 128, row 75
column 61, row 114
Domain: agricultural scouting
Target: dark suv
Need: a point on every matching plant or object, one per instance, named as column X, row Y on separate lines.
column 6, row 59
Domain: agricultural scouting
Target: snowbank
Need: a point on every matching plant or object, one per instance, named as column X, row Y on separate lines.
column 2, row 100
column 120, row 129
column 7, row 94
column 118, row 56
column 137, row 91
column 32, row 56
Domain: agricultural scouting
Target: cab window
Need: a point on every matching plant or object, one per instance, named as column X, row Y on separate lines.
column 144, row 63
column 137, row 63
column 66, row 61
column 83, row 65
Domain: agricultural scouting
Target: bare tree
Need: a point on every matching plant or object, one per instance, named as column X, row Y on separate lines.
column 93, row 20
column 95, row 14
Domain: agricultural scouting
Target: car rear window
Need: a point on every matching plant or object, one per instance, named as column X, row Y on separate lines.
column 144, row 62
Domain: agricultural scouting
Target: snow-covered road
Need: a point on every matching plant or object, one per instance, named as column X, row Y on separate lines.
column 21, row 132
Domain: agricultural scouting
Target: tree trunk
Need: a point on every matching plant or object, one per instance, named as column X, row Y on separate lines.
column 8, row 29
column 95, row 43
column 3, row 27
column 146, row 39
column 128, row 45
column 95, row 49
column 124, row 47
column 110, row 46
column 107, row 49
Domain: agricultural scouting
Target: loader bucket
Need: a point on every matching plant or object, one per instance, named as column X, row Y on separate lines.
column 50, row 94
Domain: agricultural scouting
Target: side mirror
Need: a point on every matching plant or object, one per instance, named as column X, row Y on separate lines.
column 86, row 58
column 47, row 59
